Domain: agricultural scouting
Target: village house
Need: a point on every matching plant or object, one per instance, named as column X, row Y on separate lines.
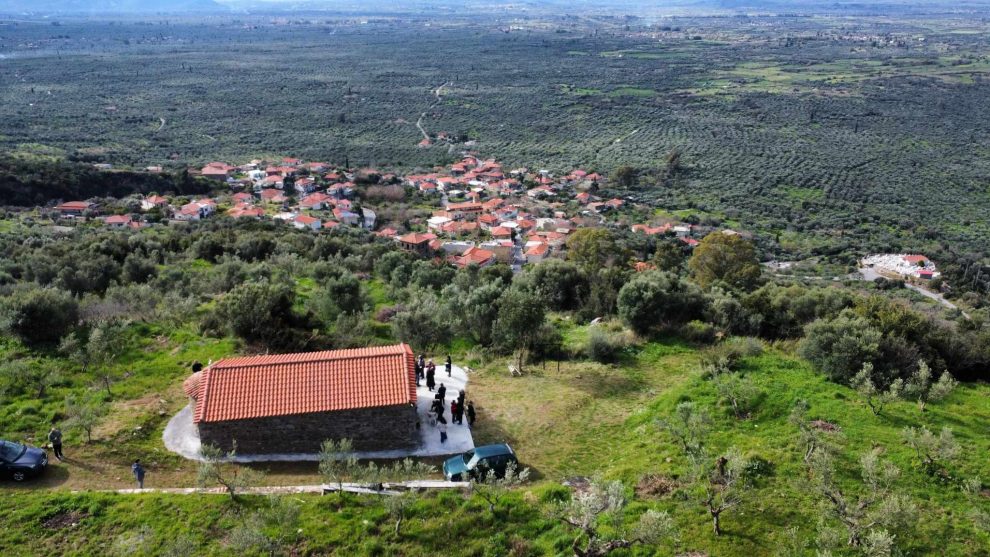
column 467, row 210
column 475, row 256
column 345, row 216
column 246, row 210
column 417, row 243
column 292, row 403
column 306, row 221
column 272, row 196
column 537, row 253
column 217, row 171
column 315, row 202
column 75, row 208
column 153, row 202
column 118, row 221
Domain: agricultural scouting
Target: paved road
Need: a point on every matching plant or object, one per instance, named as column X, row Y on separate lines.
column 872, row 275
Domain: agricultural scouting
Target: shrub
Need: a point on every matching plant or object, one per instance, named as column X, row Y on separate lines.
column 41, row 315
column 653, row 300
column 604, row 346
column 699, row 332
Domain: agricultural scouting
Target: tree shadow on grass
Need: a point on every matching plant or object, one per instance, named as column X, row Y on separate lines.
column 490, row 432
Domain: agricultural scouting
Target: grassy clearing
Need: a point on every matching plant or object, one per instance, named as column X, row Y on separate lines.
column 572, row 418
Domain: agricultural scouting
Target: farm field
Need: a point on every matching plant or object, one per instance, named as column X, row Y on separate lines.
column 644, row 236
column 874, row 117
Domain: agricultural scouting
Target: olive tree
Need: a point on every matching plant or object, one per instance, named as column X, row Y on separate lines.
column 337, row 462
column 597, row 514
column 866, row 511
column 920, row 386
column 719, row 484
column 933, row 451
column 876, row 397
column 492, row 488
column 217, row 467
column 689, row 426
column 40, row 315
column 83, row 414
column 520, row 315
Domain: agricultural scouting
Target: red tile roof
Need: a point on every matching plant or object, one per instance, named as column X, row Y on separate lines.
column 417, row 238
column 118, row 219
column 290, row 384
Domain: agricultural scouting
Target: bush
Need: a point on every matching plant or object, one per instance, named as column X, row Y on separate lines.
column 41, row 315
column 699, row 332
column 257, row 312
column 654, row 300
column 604, row 346
column 839, row 347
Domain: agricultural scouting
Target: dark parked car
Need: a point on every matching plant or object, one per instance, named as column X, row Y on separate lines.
column 20, row 462
column 477, row 463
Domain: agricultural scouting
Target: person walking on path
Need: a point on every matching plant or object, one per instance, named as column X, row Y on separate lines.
column 138, row 472
column 430, row 380
column 453, row 411
column 55, row 438
column 460, row 399
column 470, row 413
column 442, row 391
column 449, row 364
column 422, row 361
column 443, row 432
column 419, row 371
column 438, row 408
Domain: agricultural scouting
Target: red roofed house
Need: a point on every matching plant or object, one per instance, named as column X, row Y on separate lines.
column 74, row 208
column 217, row 170
column 501, row 232
column 118, row 221
column 469, row 210
column 417, row 243
column 475, row 256
column 315, row 201
column 537, row 253
column 152, row 202
column 291, row 403
column 306, row 221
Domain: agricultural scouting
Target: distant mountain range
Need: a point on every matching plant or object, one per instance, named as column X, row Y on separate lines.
column 108, row 6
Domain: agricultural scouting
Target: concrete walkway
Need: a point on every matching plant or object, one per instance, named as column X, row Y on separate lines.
column 182, row 437
column 287, row 489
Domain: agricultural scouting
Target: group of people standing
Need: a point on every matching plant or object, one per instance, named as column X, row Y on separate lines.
column 426, row 369
column 458, row 409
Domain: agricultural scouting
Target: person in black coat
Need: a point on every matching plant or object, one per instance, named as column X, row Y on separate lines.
column 430, row 380
column 470, row 414
column 442, row 391
column 449, row 365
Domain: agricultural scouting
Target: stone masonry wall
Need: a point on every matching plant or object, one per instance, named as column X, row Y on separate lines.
column 371, row 429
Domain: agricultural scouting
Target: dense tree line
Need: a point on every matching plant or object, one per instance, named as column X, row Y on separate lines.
column 30, row 182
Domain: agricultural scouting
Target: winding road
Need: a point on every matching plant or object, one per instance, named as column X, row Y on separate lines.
column 438, row 93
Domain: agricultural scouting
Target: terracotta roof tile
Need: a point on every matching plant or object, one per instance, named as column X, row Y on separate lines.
column 288, row 384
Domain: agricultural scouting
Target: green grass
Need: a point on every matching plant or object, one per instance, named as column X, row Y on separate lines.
column 572, row 418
